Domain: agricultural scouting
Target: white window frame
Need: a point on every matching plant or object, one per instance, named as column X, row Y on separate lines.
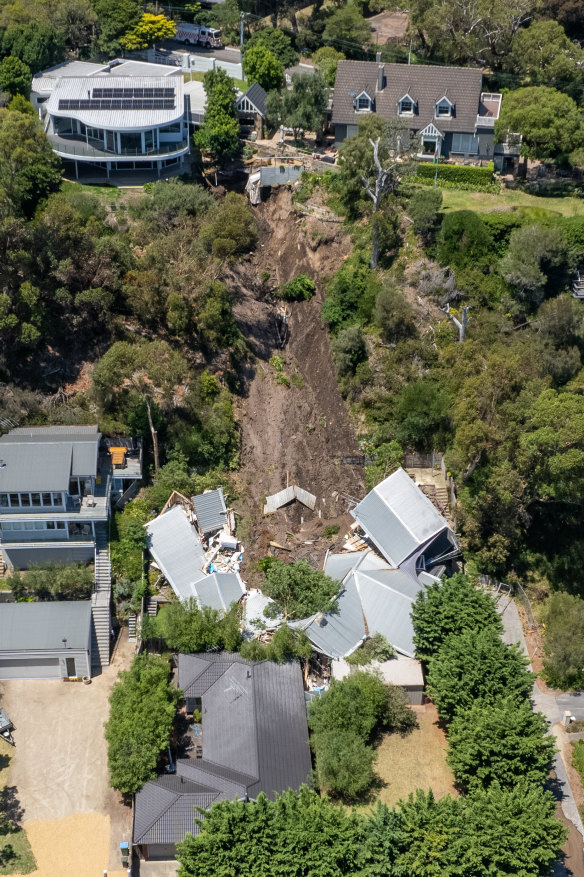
column 361, row 96
column 442, row 102
column 400, row 103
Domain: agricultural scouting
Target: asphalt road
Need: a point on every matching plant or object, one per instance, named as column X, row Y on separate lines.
column 233, row 56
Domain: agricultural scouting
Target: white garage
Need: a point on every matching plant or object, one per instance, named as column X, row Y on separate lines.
column 45, row 640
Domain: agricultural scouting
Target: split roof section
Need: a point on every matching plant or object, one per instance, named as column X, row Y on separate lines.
column 44, row 458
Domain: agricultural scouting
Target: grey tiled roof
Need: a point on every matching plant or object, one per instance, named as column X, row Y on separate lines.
column 425, row 84
column 210, row 510
column 255, row 739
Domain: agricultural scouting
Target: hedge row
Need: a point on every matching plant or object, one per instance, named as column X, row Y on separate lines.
column 456, row 173
column 490, row 188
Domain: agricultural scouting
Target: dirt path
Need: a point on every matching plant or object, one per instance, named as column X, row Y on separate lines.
column 292, row 434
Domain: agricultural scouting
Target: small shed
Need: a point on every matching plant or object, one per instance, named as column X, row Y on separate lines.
column 251, row 108
column 45, row 640
column 401, row 670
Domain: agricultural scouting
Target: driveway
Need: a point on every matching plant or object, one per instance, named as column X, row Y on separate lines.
column 60, row 770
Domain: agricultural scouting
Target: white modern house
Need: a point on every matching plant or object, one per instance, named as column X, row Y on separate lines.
column 120, row 116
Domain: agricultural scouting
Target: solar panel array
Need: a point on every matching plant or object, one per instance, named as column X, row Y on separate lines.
column 122, row 99
column 133, row 92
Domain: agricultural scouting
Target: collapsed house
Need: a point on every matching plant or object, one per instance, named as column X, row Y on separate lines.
column 405, row 545
column 193, row 545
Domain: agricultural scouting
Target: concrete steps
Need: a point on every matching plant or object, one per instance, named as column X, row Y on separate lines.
column 2, row 566
column 100, row 603
column 132, row 628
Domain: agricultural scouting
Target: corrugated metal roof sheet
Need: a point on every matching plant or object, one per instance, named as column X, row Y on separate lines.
column 257, row 96
column 220, row 590
column 175, row 546
column 386, row 597
column 398, row 517
column 289, row 494
column 338, row 565
column 210, row 510
column 77, row 88
column 35, row 466
column 340, row 634
column 83, row 440
column 37, row 626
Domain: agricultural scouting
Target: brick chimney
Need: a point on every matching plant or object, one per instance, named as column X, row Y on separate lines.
column 380, row 77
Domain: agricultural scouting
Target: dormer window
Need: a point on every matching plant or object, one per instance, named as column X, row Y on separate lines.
column 363, row 103
column 406, row 106
column 444, row 108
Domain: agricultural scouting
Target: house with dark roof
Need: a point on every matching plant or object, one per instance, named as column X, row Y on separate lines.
column 444, row 107
column 254, row 739
column 251, row 108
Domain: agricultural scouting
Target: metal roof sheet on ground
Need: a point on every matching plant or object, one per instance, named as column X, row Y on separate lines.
column 398, row 517
column 42, row 626
column 387, row 597
column 289, row 494
column 76, row 88
column 210, row 510
column 37, row 467
column 175, row 546
column 254, row 605
column 220, row 590
column 337, row 635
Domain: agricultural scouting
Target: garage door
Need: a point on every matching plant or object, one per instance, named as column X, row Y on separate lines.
column 29, row 668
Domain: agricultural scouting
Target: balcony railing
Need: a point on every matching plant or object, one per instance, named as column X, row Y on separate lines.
column 77, row 148
column 485, row 121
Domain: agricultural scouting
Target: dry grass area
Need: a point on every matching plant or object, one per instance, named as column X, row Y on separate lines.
column 508, row 199
column 70, row 847
column 417, row 761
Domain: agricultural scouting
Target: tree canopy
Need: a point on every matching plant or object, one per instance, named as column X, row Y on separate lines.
column 564, row 641
column 499, row 742
column 149, row 30
column 297, row 589
column 142, row 707
column 187, row 628
column 219, row 133
column 15, row 76
column 549, row 121
column 476, row 665
column 452, row 606
column 262, row 66
column 301, row 107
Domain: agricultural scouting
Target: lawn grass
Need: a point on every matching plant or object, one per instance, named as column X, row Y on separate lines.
column 199, row 76
column 508, row 199
column 23, row 861
column 415, row 761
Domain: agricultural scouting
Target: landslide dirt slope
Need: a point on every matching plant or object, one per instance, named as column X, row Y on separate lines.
column 292, row 434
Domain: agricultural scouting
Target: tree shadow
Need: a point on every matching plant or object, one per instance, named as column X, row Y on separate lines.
column 4, row 761
column 10, row 810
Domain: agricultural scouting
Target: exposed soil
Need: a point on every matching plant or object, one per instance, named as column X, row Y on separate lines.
column 296, row 434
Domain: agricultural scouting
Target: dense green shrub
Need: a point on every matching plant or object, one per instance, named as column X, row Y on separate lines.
column 351, row 294
column 451, row 606
column 563, row 663
column 297, row 589
column 473, row 666
column 300, row 288
column 376, row 648
column 348, row 350
column 424, row 211
column 185, row 627
column 464, row 239
column 498, row 743
column 344, row 721
column 456, row 173
column 55, row 581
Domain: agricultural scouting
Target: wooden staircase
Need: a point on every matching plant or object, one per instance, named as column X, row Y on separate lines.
column 100, row 601
column 440, row 498
column 2, row 566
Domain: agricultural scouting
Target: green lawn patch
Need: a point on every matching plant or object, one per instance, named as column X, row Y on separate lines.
column 509, row 199
column 20, row 860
